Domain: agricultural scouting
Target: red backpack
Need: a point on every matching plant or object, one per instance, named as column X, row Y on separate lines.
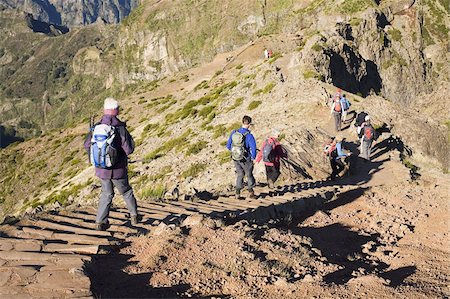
column 368, row 133
column 337, row 106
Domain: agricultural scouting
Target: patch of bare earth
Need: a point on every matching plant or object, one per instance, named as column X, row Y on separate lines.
column 372, row 242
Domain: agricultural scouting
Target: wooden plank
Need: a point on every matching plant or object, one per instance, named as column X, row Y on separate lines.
column 76, row 230
column 91, row 218
column 70, row 238
column 26, row 256
column 88, row 225
column 86, row 249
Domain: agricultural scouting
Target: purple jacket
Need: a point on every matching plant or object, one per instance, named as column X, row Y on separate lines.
column 127, row 147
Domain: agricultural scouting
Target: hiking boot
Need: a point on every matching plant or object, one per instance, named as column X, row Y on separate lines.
column 134, row 220
column 101, row 226
column 270, row 184
column 238, row 196
column 252, row 195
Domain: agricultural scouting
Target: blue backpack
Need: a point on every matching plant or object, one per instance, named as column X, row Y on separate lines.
column 103, row 151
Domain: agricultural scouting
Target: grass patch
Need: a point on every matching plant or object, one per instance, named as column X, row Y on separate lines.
column 317, row 47
column 395, row 34
column 176, row 143
column 254, row 105
column 275, row 57
column 202, row 85
column 311, row 74
column 223, row 157
column 153, row 192
column 196, row 147
column 240, row 66
column 194, row 170
column 237, row 102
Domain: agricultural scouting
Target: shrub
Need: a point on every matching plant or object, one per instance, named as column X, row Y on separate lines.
column 268, row 88
column 202, row 85
column 238, row 102
column 395, row 34
column 176, row 143
column 254, row 105
column 274, row 57
column 317, row 47
column 240, row 66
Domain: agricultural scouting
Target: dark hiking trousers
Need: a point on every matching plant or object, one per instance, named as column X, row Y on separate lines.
column 107, row 195
column 244, row 168
column 337, row 120
column 272, row 173
column 337, row 166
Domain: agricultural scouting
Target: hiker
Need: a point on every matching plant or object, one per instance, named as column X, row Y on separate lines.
column 242, row 145
column 367, row 135
column 336, row 155
column 271, row 153
column 345, row 107
column 108, row 144
column 336, row 110
column 269, row 54
column 266, row 54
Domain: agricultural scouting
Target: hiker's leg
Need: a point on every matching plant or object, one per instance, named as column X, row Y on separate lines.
column 337, row 120
column 239, row 176
column 344, row 115
column 104, row 204
column 248, row 168
column 333, row 168
column 127, row 192
column 369, row 149
column 275, row 174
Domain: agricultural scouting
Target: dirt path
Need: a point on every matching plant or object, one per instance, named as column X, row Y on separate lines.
column 375, row 234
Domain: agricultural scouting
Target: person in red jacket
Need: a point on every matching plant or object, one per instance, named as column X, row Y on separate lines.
column 271, row 153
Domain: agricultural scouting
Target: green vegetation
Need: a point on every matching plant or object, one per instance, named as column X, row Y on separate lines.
column 268, row 88
column 153, row 192
column 223, row 157
column 275, row 57
column 317, row 47
column 396, row 59
column 350, row 7
column 435, row 22
column 196, row 147
column 239, row 66
column 176, row 143
column 395, row 34
column 201, row 85
column 254, row 105
column 194, row 170
column 238, row 102
column 310, row 74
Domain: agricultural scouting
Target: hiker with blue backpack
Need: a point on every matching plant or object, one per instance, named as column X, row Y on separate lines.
column 242, row 146
column 109, row 143
column 271, row 153
column 338, row 158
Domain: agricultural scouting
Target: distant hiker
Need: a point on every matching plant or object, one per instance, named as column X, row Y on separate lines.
column 345, row 107
column 108, row 144
column 336, row 155
column 242, row 145
column 367, row 135
column 266, row 54
column 271, row 153
column 269, row 54
column 336, row 110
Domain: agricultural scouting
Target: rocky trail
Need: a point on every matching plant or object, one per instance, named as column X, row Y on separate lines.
column 367, row 233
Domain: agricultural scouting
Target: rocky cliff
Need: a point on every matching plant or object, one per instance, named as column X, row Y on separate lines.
column 76, row 12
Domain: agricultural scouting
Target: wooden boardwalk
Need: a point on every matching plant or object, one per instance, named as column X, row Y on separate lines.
column 47, row 256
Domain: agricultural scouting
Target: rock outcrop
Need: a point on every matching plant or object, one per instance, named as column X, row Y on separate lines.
column 74, row 13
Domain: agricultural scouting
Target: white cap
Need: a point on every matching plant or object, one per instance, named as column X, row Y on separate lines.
column 110, row 104
column 367, row 118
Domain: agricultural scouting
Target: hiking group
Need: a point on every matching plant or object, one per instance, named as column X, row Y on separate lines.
column 109, row 143
column 242, row 146
column 336, row 149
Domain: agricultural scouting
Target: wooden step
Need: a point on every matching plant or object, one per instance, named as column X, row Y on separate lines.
column 84, row 249
column 70, row 238
column 89, row 225
column 7, row 244
column 27, row 256
column 66, row 228
column 89, row 217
